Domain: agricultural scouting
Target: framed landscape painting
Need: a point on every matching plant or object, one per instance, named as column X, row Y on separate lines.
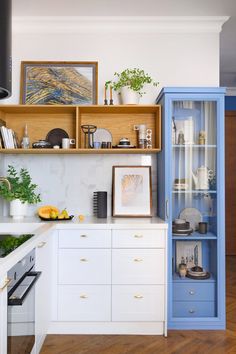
column 50, row 83
column 131, row 191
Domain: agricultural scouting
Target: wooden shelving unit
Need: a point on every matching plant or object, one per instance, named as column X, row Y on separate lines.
column 119, row 120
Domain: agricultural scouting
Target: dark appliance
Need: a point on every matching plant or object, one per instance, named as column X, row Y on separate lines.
column 100, row 204
column 21, row 306
column 5, row 48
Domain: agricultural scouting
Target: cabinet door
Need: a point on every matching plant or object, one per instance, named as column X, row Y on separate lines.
column 85, row 238
column 86, row 266
column 140, row 238
column 43, row 289
column 138, row 266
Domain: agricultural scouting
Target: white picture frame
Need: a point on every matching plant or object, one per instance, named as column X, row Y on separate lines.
column 131, row 191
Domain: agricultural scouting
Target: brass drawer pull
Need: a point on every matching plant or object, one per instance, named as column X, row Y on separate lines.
column 138, row 236
column 138, row 296
column 7, row 282
column 83, row 260
column 83, row 296
column 138, row 259
column 191, row 292
column 41, row 244
column 191, row 311
column 83, row 236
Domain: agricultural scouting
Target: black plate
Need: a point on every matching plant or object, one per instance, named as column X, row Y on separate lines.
column 56, row 135
column 49, row 219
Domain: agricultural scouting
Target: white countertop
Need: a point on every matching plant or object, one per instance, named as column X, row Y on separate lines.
column 42, row 229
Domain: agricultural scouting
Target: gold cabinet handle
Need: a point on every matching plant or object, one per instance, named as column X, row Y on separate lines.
column 7, row 282
column 138, row 259
column 83, row 296
column 138, row 236
column 138, row 296
column 191, row 311
column 83, row 236
column 83, row 260
column 41, row 244
column 191, row 292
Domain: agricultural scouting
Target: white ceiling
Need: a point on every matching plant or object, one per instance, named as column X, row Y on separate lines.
column 147, row 8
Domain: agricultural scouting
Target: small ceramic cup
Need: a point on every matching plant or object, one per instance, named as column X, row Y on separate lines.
column 182, row 270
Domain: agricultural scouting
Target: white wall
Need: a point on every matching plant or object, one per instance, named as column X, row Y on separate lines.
column 176, row 53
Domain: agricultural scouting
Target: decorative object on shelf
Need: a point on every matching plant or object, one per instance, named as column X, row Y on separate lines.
column 197, row 273
column 202, row 177
column 89, row 130
column 189, row 253
column 182, row 270
column 192, row 215
column 42, row 144
column 124, row 143
column 149, row 138
column 55, row 136
column 202, row 137
column 97, row 145
column 181, row 228
column 130, row 84
column 181, row 140
column 131, row 191
column 66, row 143
column 142, row 131
column 100, row 204
column 185, row 127
column 105, row 95
column 25, row 144
column 202, row 227
column 111, row 98
column 20, row 193
column 102, row 134
column 70, row 83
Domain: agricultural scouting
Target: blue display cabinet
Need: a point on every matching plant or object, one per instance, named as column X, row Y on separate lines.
column 191, row 199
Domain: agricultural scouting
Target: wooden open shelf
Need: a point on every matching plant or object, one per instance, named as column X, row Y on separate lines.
column 119, row 120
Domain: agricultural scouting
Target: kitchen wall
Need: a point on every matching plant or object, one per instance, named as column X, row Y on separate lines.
column 175, row 51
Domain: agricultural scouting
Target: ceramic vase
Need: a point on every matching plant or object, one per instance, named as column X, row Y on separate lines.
column 18, row 210
column 128, row 96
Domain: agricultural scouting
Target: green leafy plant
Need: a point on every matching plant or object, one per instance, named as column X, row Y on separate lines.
column 135, row 79
column 10, row 243
column 21, row 187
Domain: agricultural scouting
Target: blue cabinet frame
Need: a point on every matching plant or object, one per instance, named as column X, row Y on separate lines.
column 207, row 305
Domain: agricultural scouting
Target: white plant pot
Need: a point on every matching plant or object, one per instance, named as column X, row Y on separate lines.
column 128, row 96
column 18, row 210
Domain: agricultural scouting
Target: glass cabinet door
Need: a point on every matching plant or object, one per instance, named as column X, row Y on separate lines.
column 194, row 202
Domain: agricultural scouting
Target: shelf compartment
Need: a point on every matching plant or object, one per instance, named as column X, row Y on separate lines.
column 196, row 236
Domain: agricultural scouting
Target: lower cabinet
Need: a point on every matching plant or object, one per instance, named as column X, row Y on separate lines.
column 113, row 277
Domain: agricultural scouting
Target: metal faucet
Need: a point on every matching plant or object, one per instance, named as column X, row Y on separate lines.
column 5, row 180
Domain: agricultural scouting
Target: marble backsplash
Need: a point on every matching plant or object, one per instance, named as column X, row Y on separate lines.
column 68, row 181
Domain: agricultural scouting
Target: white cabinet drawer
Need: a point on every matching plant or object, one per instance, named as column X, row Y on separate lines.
column 87, row 238
column 137, row 266
column 138, row 303
column 84, row 303
column 138, row 238
column 85, row 266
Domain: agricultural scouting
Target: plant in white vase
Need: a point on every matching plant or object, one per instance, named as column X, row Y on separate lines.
column 21, row 193
column 130, row 84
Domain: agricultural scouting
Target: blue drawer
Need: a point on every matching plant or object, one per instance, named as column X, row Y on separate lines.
column 194, row 309
column 194, row 291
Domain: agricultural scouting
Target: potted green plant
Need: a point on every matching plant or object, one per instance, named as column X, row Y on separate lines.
column 130, row 84
column 21, row 193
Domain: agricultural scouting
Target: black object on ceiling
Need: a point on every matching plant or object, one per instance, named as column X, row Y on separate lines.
column 5, row 48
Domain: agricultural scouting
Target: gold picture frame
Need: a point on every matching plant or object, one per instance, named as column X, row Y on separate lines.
column 59, row 82
column 131, row 191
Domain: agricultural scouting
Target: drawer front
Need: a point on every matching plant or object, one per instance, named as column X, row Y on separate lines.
column 194, row 292
column 138, row 238
column 84, row 266
column 87, row 238
column 84, row 303
column 136, row 266
column 194, row 309
column 138, row 303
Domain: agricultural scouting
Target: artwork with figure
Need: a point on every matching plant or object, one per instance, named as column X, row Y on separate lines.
column 59, row 83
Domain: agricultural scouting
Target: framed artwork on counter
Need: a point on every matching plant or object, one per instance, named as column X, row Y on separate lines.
column 131, row 191
column 59, row 82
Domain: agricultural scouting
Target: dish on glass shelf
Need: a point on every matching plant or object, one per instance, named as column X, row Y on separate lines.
column 192, row 215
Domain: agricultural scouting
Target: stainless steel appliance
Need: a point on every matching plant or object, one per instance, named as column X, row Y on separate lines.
column 21, row 306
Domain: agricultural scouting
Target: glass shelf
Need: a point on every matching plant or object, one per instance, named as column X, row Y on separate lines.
column 194, row 191
column 189, row 146
column 176, row 278
column 196, row 236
